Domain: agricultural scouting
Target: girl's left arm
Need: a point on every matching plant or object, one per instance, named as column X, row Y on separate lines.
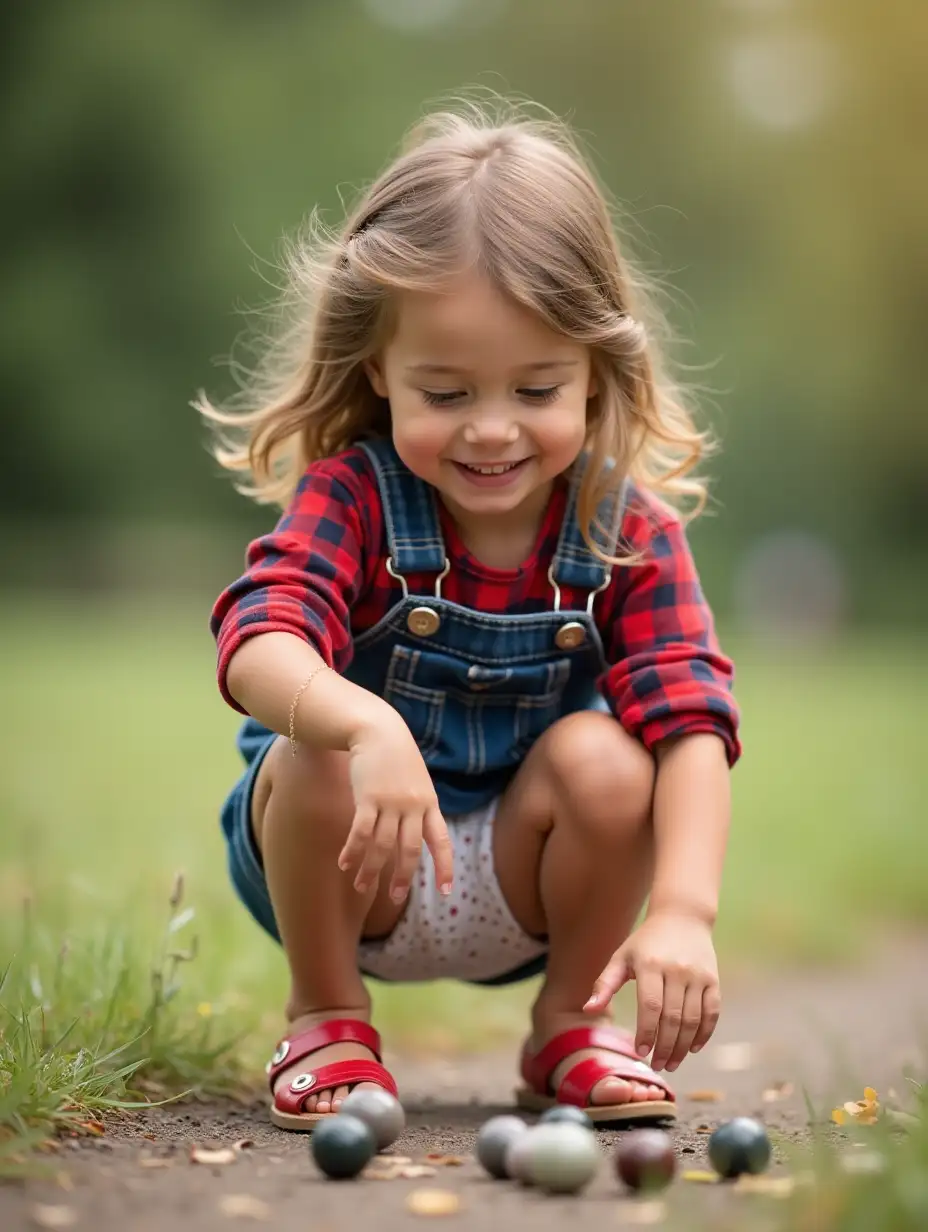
column 670, row 686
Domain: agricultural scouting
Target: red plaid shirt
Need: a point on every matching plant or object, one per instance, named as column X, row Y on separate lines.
column 321, row 575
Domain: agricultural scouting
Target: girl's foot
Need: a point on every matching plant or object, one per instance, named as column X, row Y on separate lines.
column 608, row 1090
column 570, row 1060
column 325, row 1100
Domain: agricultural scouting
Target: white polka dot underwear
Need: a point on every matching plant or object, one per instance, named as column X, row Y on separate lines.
column 471, row 934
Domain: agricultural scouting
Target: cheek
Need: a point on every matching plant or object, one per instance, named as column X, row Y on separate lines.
column 564, row 433
column 420, row 439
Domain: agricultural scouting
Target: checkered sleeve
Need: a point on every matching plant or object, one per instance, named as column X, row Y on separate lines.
column 304, row 576
column 668, row 675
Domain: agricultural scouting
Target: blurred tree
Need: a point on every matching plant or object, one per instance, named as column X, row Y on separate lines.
column 769, row 157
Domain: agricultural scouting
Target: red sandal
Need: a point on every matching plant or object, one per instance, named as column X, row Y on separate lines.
column 578, row 1082
column 287, row 1104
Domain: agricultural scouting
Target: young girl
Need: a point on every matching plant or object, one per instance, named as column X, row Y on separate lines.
column 487, row 713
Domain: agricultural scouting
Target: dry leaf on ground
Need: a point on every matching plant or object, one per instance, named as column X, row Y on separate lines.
column 864, row 1111
column 212, row 1157
column 404, row 1172
column 704, row 1129
column 392, row 1161
column 53, row 1216
column 768, row 1186
column 244, row 1206
column 645, row 1212
column 445, row 1161
column 732, row 1058
column 700, row 1177
column 777, row 1091
column 433, row 1202
column 706, row 1096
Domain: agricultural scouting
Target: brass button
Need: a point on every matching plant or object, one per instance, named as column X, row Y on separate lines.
column 423, row 621
column 570, row 635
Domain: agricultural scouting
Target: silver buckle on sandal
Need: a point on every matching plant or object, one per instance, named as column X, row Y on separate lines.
column 283, row 1051
column 302, row 1082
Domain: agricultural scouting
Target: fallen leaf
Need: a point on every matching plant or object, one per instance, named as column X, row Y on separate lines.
column 701, row 1178
column 706, row 1096
column 92, row 1127
column 53, row 1216
column 732, row 1058
column 645, row 1212
column 769, row 1186
column 864, row 1111
column 703, row 1129
column 777, row 1091
column 244, row 1144
column 445, row 1161
column 433, row 1202
column 212, row 1158
column 390, row 1161
column 244, row 1206
column 150, row 1137
column 406, row 1172
column 154, row 1161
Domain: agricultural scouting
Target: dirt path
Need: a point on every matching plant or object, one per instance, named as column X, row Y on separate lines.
column 833, row 1033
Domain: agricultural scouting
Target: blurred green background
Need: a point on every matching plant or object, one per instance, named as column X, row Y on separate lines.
column 768, row 160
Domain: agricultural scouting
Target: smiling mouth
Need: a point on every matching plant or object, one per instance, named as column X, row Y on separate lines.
column 496, row 468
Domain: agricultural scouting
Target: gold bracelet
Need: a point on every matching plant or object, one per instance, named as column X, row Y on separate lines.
column 296, row 701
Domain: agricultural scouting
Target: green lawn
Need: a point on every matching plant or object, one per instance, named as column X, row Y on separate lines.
column 117, row 751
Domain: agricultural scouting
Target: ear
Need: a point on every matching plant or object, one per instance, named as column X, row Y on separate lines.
column 374, row 371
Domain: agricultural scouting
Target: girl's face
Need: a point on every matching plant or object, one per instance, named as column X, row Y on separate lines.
column 488, row 404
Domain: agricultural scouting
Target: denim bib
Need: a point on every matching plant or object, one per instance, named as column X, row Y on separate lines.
column 477, row 689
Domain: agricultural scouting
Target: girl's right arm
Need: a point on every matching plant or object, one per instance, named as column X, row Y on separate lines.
column 287, row 617
column 395, row 803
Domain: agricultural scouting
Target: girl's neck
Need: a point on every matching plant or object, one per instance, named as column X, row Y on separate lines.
column 502, row 540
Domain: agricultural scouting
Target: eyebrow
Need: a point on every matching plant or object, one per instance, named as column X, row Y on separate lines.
column 448, row 370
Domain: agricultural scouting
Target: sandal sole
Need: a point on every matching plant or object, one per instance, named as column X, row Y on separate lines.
column 603, row 1114
column 305, row 1123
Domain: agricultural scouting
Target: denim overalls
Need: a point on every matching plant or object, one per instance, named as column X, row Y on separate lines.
column 476, row 689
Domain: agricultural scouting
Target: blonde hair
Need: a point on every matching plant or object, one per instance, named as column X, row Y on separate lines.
column 514, row 193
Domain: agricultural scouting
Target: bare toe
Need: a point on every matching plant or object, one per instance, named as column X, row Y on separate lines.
column 612, row 1091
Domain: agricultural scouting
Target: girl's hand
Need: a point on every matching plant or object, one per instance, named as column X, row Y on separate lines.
column 395, row 809
column 672, row 959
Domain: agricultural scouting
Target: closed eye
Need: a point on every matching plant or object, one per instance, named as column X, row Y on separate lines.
column 548, row 394
column 441, row 397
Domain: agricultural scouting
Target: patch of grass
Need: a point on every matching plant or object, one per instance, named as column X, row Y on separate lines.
column 94, row 1028
column 117, row 751
column 873, row 1177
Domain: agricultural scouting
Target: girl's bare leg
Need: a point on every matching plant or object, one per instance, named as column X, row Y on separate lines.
column 301, row 814
column 573, row 848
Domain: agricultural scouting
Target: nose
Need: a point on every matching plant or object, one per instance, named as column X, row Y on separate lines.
column 491, row 428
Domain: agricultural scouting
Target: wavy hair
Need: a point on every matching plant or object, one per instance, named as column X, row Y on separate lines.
column 513, row 193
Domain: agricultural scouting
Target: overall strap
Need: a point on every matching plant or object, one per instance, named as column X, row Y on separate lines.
column 410, row 512
column 574, row 565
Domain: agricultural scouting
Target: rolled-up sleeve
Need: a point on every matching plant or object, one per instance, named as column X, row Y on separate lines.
column 303, row 577
column 667, row 675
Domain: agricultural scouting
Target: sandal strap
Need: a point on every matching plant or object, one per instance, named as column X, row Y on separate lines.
column 537, row 1068
column 294, row 1048
column 578, row 1083
column 293, row 1096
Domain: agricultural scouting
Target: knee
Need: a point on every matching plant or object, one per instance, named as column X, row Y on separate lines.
column 312, row 786
column 603, row 777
